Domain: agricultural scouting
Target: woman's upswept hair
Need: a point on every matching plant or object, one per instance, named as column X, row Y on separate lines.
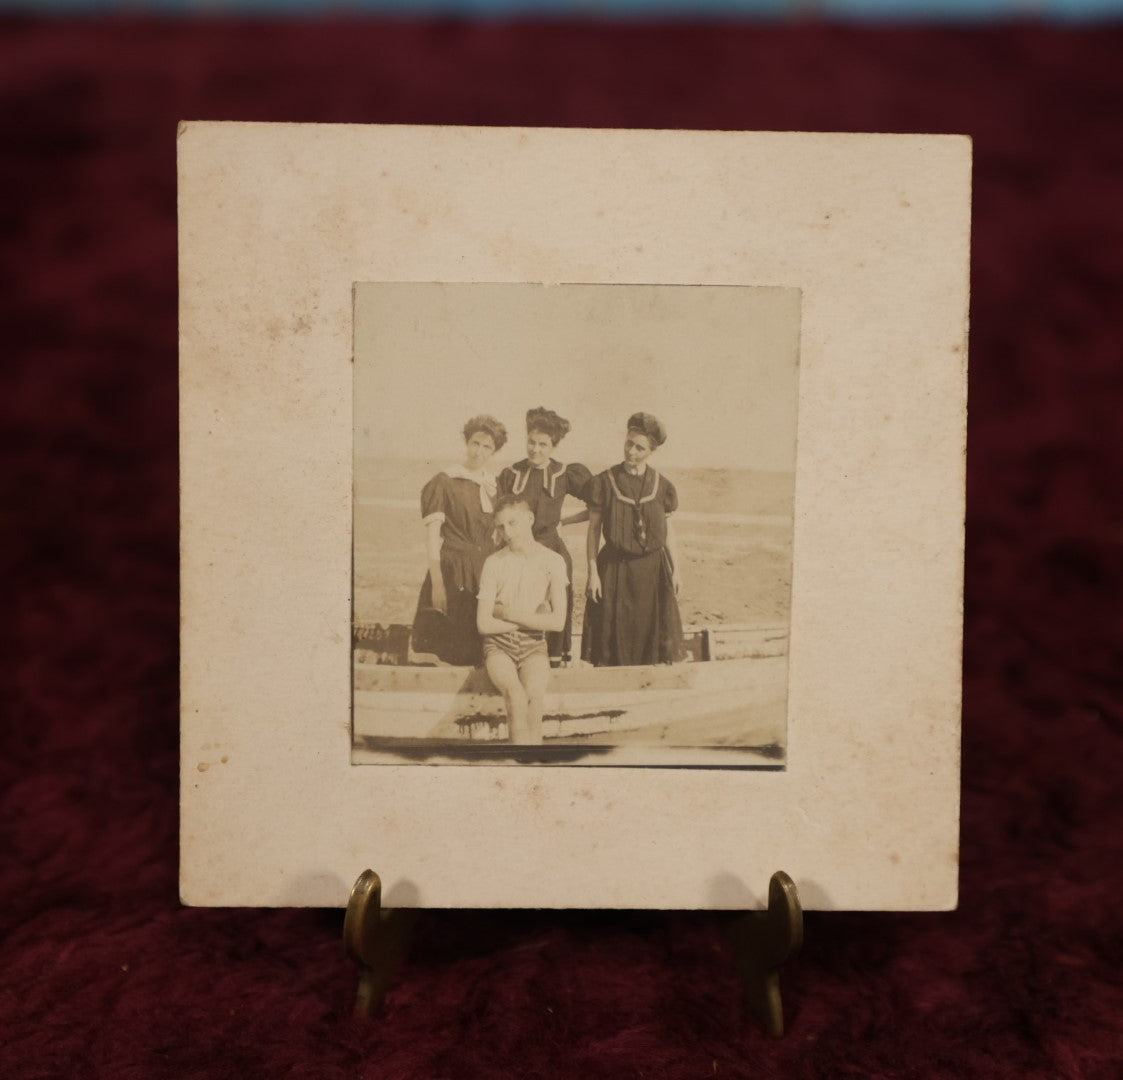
column 648, row 425
column 548, row 422
column 489, row 426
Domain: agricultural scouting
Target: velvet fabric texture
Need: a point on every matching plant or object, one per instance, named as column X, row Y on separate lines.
column 103, row 973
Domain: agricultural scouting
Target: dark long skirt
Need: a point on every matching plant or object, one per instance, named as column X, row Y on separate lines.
column 637, row 619
column 559, row 643
column 452, row 637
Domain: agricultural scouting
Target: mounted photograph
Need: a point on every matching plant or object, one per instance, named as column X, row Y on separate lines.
column 605, row 484
column 573, row 523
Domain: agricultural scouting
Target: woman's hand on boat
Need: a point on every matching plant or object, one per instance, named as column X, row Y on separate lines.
column 594, row 587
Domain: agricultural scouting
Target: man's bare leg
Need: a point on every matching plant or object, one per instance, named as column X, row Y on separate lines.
column 534, row 674
column 503, row 673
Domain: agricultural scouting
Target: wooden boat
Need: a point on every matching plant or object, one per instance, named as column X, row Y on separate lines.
column 731, row 692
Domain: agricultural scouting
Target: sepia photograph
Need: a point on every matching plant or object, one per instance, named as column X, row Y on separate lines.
column 605, row 484
column 573, row 513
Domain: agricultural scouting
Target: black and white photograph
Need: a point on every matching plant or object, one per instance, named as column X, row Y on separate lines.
column 573, row 523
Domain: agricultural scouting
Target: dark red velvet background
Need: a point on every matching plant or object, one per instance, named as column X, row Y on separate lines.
column 104, row 974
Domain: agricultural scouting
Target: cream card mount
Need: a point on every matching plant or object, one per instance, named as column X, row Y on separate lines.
column 344, row 289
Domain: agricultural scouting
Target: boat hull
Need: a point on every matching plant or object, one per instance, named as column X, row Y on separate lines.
column 723, row 706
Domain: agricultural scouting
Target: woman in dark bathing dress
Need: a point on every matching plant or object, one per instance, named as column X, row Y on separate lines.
column 632, row 616
column 543, row 484
column 457, row 508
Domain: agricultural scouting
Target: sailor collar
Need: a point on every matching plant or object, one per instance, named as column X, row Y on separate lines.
column 485, row 480
column 644, row 498
column 550, row 473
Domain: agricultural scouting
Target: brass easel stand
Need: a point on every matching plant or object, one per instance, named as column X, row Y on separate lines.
column 376, row 940
column 762, row 942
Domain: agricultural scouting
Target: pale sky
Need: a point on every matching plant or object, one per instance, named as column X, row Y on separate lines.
column 718, row 365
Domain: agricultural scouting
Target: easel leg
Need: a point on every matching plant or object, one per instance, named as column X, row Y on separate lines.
column 762, row 942
column 376, row 940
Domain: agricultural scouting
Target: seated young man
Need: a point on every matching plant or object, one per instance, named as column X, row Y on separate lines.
column 521, row 597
